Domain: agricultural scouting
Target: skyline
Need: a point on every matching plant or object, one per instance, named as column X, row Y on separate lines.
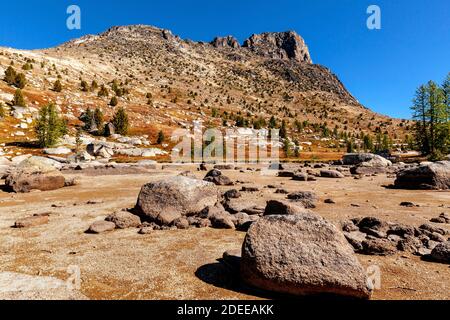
column 381, row 68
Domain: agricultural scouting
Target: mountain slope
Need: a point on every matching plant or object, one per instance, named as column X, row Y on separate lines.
column 170, row 82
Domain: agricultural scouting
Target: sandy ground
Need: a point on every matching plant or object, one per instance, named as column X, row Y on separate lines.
column 182, row 264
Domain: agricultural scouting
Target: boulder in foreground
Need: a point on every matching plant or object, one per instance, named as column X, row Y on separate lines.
column 166, row 200
column 301, row 255
column 429, row 176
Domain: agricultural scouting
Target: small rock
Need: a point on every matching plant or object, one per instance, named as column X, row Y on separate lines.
column 101, row 226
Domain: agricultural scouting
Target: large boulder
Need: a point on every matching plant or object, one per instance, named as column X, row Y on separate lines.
column 301, row 255
column 365, row 159
column 167, row 200
column 432, row 176
column 34, row 174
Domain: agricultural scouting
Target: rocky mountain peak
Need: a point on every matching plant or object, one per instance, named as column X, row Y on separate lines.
column 279, row 45
column 224, row 42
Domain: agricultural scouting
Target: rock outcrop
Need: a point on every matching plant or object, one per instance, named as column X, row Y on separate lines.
column 283, row 45
column 226, row 42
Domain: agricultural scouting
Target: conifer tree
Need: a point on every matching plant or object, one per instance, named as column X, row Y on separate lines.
column 49, row 127
column 120, row 121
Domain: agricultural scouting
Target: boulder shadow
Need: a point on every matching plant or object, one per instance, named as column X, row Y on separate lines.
column 224, row 276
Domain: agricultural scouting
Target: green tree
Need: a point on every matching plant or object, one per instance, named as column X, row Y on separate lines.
column 367, row 143
column 18, row 99
column 283, row 130
column 20, row 81
column 114, row 101
column 94, row 85
column 120, row 121
column 49, row 127
column 350, row 146
column 272, row 122
column 103, row 92
column 87, row 117
column 2, row 110
column 10, row 75
column 99, row 120
column 84, row 86
column 431, row 112
column 161, row 137
column 57, row 86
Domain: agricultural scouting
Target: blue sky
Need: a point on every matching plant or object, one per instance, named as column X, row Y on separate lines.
column 381, row 68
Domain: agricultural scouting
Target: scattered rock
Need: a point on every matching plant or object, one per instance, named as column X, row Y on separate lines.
column 124, row 219
column 379, row 247
column 306, row 198
column 101, row 227
column 443, row 218
column 441, row 253
column 32, row 221
column 331, row 174
column 215, row 176
column 281, row 207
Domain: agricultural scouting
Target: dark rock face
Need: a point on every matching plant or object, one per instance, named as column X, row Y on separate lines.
column 226, row 42
column 167, row 200
column 432, row 176
column 301, row 255
column 284, row 45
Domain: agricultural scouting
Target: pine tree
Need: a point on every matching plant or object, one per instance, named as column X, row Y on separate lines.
column 272, row 123
column 94, row 85
column 84, row 86
column 98, row 119
column 20, row 81
column 114, row 102
column 161, row 137
column 2, row 110
column 18, row 99
column 120, row 121
column 49, row 127
column 420, row 110
column 103, row 92
column 10, row 75
column 57, row 86
column 283, row 130
column 87, row 117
